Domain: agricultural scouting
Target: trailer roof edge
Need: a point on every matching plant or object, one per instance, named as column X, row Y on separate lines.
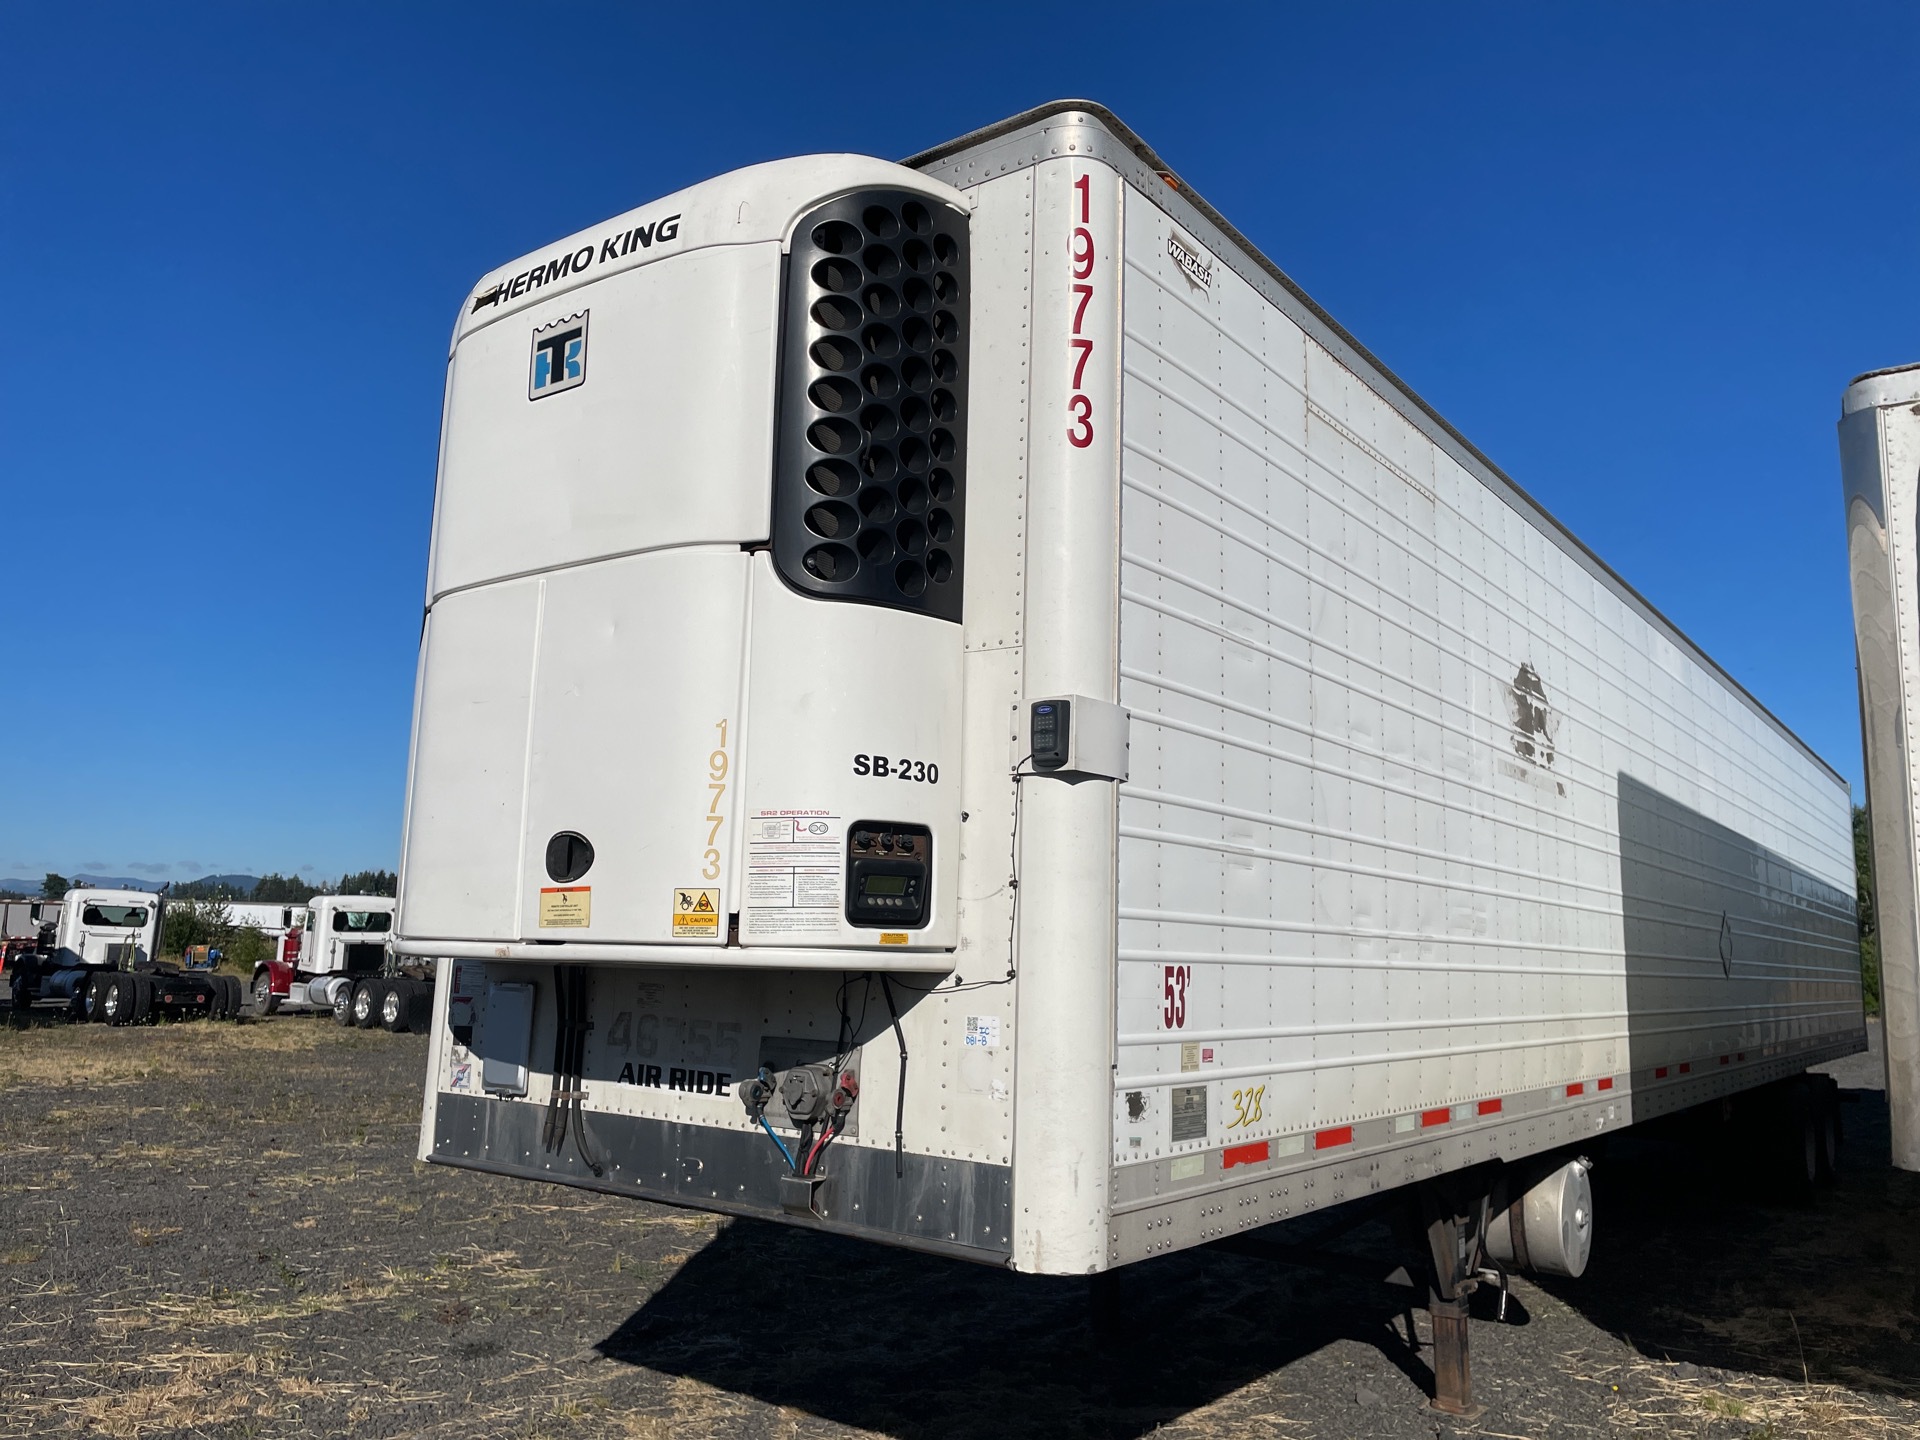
column 1148, row 157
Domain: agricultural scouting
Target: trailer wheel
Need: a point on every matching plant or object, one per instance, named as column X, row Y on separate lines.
column 1827, row 1119
column 228, row 997
column 265, row 1002
column 1800, row 1143
column 366, row 1005
column 116, row 999
column 142, row 999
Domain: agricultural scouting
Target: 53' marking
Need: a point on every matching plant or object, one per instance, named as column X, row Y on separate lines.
column 1173, row 992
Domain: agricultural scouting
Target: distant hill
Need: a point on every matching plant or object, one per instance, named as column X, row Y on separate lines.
column 243, row 884
column 105, row 882
column 206, row 885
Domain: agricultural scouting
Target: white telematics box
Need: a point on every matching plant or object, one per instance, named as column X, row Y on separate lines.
column 1879, row 470
column 957, row 706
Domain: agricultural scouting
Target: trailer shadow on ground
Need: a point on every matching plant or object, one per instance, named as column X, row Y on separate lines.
column 1696, row 1262
column 916, row 1346
column 1700, row 1268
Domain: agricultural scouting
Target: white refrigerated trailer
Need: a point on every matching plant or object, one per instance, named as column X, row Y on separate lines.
column 957, row 706
column 1879, row 471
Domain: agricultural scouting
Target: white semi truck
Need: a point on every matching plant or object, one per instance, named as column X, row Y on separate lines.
column 335, row 956
column 96, row 953
column 958, row 706
column 1879, row 470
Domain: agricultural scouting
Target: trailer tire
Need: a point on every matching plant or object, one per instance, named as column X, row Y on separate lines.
column 231, row 997
column 265, row 1002
column 116, row 998
column 396, row 1006
column 1826, row 1107
column 366, row 1005
column 1800, row 1141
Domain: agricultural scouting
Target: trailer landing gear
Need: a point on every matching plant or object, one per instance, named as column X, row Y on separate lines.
column 1454, row 1211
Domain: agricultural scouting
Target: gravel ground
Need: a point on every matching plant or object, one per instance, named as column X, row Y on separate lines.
column 221, row 1231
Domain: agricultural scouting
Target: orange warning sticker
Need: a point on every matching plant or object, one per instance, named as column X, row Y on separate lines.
column 566, row 907
column 696, row 914
column 893, row 937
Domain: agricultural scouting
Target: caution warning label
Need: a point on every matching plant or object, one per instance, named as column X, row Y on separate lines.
column 566, row 907
column 696, row 914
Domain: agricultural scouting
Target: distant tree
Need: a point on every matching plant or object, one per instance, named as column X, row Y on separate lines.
column 1864, row 909
column 247, row 947
column 285, row 889
column 54, row 886
column 368, row 882
column 195, row 922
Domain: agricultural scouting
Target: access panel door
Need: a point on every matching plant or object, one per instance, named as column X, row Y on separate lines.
column 630, row 755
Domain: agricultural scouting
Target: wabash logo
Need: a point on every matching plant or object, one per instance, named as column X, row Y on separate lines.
column 559, row 357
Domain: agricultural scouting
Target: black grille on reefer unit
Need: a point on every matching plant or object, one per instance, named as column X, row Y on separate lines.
column 871, row 468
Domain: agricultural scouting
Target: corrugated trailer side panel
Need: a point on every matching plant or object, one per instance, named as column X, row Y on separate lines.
column 1435, row 846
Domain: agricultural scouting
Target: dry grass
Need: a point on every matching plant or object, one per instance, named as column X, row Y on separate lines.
column 1651, row 1399
column 99, row 1055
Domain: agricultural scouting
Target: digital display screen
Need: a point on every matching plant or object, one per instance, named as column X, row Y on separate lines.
column 883, row 885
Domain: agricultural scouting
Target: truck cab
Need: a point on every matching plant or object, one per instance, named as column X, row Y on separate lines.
column 334, row 940
column 118, row 929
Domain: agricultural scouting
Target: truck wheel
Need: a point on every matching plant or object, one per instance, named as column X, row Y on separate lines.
column 343, row 1005
column 96, row 992
column 142, row 999
column 366, row 1005
column 420, row 1008
column 395, row 998
column 265, row 1002
column 227, row 1002
column 116, row 999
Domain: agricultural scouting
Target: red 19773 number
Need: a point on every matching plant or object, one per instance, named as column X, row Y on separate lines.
column 1080, row 347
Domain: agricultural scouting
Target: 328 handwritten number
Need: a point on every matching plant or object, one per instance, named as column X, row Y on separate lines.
column 1246, row 1107
column 1080, row 347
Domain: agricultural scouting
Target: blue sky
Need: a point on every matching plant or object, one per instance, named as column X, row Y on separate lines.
column 1634, row 252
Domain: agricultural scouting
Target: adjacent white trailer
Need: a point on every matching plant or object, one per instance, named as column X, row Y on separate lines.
column 957, row 706
column 1879, row 470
